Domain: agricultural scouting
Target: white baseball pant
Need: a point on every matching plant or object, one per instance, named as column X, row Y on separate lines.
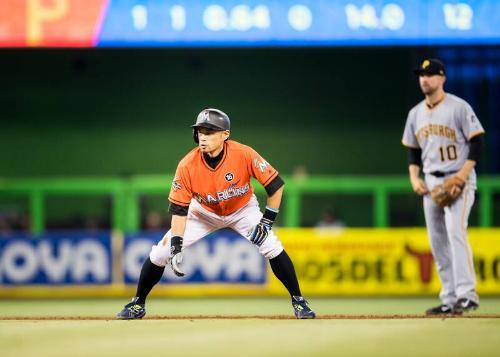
column 201, row 222
column 447, row 230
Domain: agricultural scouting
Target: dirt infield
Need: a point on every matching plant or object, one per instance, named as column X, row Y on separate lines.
column 260, row 317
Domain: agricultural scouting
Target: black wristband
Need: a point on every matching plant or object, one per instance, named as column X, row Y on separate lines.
column 176, row 244
column 270, row 216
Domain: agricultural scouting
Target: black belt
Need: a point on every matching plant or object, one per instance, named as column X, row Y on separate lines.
column 441, row 173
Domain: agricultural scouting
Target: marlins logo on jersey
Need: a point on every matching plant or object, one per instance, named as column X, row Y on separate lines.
column 260, row 164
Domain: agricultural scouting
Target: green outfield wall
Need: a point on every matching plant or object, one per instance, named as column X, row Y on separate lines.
column 328, row 111
column 125, row 196
column 311, row 112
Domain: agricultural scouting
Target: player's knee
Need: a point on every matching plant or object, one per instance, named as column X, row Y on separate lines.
column 160, row 254
column 271, row 247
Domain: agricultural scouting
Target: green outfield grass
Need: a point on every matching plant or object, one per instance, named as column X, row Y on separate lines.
column 245, row 337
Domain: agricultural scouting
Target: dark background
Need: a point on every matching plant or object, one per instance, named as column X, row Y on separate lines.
column 328, row 111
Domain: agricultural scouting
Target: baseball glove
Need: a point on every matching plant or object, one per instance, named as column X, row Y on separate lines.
column 448, row 192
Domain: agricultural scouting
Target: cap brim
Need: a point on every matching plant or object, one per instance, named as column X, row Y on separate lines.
column 208, row 126
column 419, row 71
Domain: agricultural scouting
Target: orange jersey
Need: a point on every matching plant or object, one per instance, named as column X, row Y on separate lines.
column 226, row 188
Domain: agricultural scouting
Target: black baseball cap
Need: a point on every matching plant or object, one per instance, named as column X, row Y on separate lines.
column 431, row 66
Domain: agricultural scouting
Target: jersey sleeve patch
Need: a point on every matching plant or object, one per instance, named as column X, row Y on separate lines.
column 469, row 122
column 180, row 191
column 176, row 185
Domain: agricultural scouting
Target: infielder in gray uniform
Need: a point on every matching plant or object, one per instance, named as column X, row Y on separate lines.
column 444, row 136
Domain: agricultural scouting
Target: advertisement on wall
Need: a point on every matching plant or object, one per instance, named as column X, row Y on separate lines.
column 380, row 261
column 56, row 258
column 347, row 262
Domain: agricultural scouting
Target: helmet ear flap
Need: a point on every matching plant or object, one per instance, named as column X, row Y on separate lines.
column 195, row 135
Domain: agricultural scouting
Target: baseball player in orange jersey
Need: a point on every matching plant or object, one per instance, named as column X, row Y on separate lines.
column 212, row 190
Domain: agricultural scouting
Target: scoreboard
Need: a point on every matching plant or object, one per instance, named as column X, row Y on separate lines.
column 177, row 23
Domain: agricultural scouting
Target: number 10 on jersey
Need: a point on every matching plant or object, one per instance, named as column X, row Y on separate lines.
column 448, row 153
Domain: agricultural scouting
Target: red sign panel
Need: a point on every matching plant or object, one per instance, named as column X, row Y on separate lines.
column 51, row 23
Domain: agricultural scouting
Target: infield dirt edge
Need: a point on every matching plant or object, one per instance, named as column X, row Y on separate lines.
column 260, row 317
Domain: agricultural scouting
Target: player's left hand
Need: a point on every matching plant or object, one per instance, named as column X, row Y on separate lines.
column 260, row 232
column 448, row 192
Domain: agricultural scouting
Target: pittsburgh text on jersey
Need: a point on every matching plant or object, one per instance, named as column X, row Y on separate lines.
column 437, row 130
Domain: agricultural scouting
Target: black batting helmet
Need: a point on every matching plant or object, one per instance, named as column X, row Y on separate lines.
column 211, row 118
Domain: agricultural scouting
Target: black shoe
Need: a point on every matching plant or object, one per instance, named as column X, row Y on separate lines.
column 465, row 305
column 301, row 308
column 132, row 311
column 442, row 310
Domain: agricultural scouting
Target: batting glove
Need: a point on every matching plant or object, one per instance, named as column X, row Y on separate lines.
column 176, row 251
column 260, row 232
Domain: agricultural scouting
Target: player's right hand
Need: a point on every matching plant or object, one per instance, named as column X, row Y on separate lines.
column 176, row 251
column 419, row 186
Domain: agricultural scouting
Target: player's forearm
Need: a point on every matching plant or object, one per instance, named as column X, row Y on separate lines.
column 178, row 225
column 466, row 169
column 414, row 171
column 274, row 201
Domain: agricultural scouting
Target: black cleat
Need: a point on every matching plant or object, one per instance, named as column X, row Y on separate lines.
column 132, row 311
column 465, row 305
column 442, row 310
column 301, row 308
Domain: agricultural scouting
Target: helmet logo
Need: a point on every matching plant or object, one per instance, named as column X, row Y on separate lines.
column 426, row 64
column 205, row 116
